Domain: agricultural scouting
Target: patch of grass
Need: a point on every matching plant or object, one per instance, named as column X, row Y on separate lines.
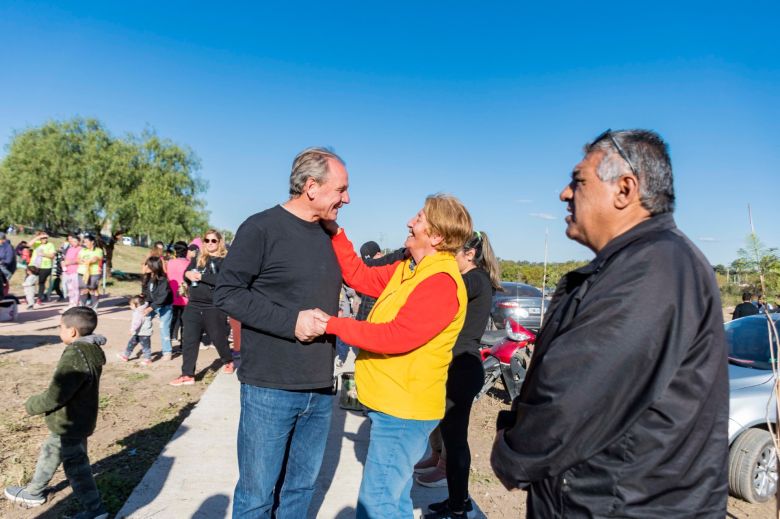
column 136, row 377
column 104, row 402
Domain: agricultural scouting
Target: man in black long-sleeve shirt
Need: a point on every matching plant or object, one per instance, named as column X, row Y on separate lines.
column 280, row 267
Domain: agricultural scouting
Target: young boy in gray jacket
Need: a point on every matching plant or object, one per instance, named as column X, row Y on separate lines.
column 71, row 406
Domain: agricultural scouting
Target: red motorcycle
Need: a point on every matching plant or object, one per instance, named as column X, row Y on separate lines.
column 506, row 355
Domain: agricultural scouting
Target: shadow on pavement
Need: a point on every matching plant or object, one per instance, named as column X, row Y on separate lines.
column 214, row 506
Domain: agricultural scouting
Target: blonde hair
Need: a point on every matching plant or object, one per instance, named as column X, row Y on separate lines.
column 448, row 218
column 204, row 253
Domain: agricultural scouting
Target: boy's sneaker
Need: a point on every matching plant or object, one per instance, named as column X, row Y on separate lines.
column 122, row 357
column 183, row 380
column 146, row 362
column 20, row 496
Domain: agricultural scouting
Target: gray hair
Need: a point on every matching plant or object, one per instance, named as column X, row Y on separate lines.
column 310, row 163
column 648, row 155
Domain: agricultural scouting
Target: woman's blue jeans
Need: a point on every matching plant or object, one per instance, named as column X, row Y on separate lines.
column 270, row 419
column 165, row 313
column 396, row 444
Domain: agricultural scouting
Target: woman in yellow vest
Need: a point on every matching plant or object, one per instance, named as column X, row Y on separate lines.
column 405, row 347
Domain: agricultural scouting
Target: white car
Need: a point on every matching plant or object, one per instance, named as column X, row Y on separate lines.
column 128, row 240
column 752, row 452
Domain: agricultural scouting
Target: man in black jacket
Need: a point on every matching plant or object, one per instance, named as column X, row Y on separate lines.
column 280, row 267
column 624, row 409
column 746, row 307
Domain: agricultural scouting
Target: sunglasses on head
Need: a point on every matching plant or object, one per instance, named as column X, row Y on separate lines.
column 206, row 240
column 608, row 135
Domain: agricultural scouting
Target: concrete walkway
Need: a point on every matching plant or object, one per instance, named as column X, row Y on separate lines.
column 196, row 473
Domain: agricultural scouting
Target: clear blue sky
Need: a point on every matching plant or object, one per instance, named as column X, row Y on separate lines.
column 489, row 102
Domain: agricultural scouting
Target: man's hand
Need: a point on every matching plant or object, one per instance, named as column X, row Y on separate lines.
column 310, row 324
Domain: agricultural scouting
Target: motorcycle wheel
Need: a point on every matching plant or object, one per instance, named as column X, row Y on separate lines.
column 492, row 368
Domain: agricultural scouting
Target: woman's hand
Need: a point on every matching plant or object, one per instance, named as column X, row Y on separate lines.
column 330, row 226
column 192, row 275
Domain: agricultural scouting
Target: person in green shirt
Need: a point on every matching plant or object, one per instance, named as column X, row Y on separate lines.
column 90, row 266
column 43, row 253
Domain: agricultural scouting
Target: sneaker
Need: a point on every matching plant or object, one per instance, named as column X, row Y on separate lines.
column 167, row 356
column 427, row 464
column 435, row 478
column 205, row 346
column 442, row 510
column 20, row 496
column 122, row 357
column 228, row 368
column 146, row 362
column 30, row 307
column 183, row 380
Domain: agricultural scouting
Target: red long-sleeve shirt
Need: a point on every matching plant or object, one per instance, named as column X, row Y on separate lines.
column 429, row 309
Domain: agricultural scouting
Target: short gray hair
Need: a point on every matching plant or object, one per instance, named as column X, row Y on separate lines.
column 648, row 154
column 310, row 163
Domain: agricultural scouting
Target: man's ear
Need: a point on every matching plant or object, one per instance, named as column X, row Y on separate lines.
column 310, row 188
column 627, row 191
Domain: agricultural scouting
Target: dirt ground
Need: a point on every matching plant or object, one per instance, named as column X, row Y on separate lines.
column 139, row 411
column 496, row 502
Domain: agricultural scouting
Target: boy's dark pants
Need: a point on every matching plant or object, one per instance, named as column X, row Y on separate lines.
column 72, row 453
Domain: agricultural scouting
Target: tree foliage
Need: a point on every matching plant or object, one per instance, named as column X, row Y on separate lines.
column 756, row 260
column 74, row 174
column 533, row 273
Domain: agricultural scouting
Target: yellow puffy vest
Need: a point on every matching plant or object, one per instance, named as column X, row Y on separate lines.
column 411, row 385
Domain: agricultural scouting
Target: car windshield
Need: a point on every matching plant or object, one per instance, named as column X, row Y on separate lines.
column 519, row 290
column 748, row 341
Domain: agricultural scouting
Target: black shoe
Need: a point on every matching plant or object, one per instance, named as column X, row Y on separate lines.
column 442, row 510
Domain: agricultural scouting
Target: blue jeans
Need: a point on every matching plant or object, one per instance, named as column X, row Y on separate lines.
column 270, row 419
column 396, row 444
column 165, row 313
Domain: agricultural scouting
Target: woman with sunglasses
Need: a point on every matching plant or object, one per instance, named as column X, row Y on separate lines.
column 200, row 313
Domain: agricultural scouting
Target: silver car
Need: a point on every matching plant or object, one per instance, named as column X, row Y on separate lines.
column 521, row 302
column 752, row 453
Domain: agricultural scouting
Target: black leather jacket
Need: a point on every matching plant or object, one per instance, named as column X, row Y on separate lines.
column 624, row 410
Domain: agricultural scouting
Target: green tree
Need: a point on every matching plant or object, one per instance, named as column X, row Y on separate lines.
column 74, row 174
column 760, row 263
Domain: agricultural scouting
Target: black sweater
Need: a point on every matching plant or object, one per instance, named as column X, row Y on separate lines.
column 480, row 294
column 202, row 294
column 277, row 266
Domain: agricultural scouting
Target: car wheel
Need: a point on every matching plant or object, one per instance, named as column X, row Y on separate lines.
column 753, row 466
